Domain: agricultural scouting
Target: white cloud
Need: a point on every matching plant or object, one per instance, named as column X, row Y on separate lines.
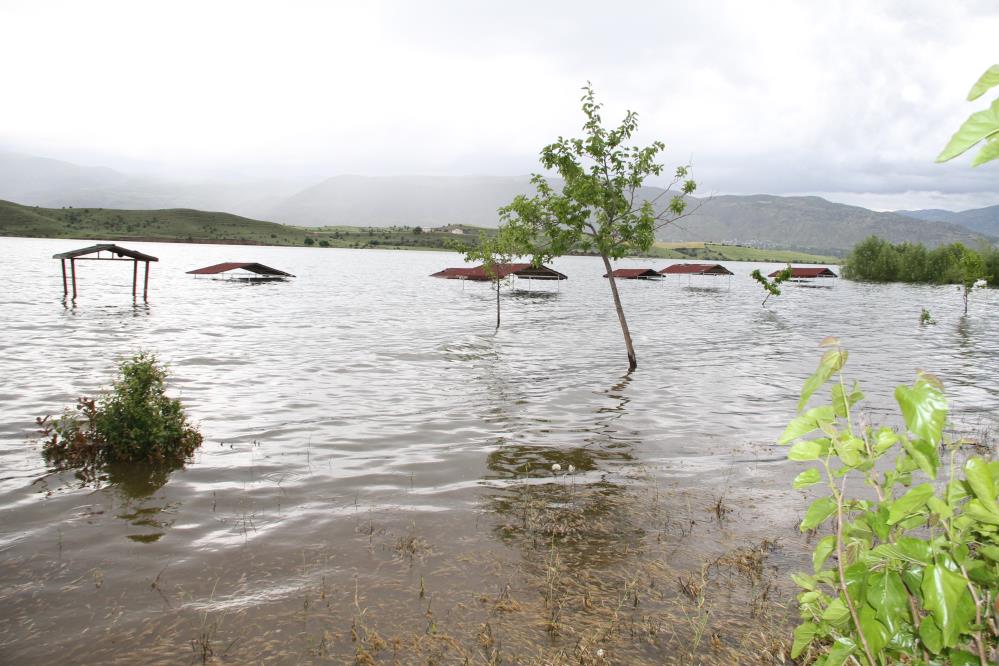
column 787, row 97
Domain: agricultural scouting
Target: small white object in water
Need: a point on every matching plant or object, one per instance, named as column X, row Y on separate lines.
column 981, row 283
column 556, row 467
column 571, row 469
column 600, row 653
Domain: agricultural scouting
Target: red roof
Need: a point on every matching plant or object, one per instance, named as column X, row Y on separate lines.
column 500, row 271
column 634, row 273
column 250, row 266
column 808, row 272
column 696, row 269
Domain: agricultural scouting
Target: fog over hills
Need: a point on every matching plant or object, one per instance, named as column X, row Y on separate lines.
column 982, row 220
column 805, row 223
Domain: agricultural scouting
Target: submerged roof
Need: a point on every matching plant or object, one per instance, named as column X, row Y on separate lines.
column 106, row 247
column 252, row 266
column 500, row 271
column 634, row 273
column 696, row 269
column 808, row 272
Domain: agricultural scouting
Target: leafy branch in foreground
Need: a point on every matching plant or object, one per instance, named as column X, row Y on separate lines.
column 910, row 570
column 772, row 288
column 980, row 126
column 134, row 422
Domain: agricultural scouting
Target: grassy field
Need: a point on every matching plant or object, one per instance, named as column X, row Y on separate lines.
column 196, row 226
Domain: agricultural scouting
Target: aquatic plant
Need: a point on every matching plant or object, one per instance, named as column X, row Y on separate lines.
column 910, row 569
column 133, row 422
column 926, row 318
column 771, row 287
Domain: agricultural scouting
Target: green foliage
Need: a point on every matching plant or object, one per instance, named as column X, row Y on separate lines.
column 134, row 422
column 878, row 260
column 926, row 318
column 771, row 287
column 596, row 211
column 910, row 569
column 492, row 251
column 980, row 126
column 309, row 240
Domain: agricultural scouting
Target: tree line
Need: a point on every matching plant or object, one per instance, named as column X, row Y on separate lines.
column 877, row 260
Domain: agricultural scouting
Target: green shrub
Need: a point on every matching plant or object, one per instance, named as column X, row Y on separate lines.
column 134, row 422
column 909, row 571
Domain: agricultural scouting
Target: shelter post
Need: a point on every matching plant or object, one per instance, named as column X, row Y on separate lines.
column 145, row 286
column 65, row 287
column 135, row 276
column 72, row 268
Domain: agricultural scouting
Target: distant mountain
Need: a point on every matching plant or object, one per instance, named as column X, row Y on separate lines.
column 806, row 223
column 810, row 224
column 983, row 220
column 39, row 181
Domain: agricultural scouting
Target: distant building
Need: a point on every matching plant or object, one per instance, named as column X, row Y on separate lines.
column 451, row 229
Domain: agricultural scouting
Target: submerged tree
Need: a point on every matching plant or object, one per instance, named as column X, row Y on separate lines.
column 494, row 252
column 599, row 208
column 771, row 287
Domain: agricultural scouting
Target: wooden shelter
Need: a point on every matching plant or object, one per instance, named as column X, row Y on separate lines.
column 807, row 272
column 633, row 274
column 500, row 271
column 259, row 271
column 115, row 253
column 695, row 269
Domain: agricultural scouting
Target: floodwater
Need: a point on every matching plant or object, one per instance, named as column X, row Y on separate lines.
column 375, row 483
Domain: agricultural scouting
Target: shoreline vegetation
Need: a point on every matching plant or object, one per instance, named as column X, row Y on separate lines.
column 877, row 260
column 184, row 225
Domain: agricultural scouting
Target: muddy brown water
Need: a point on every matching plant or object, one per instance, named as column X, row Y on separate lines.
column 376, row 485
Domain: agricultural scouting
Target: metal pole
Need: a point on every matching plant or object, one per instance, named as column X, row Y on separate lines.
column 72, row 268
column 145, row 287
column 65, row 287
column 135, row 276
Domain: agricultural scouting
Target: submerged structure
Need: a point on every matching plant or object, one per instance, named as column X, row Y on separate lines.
column 106, row 252
column 695, row 269
column 633, row 274
column 247, row 270
column 500, row 271
column 807, row 272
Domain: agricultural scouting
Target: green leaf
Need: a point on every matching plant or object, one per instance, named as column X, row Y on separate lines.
column 989, row 151
column 978, row 126
column 800, row 425
column 923, row 454
column 886, row 594
column 812, row 449
column 812, row 384
column 991, row 552
column 987, row 80
column 979, row 477
column 823, row 550
column 818, row 512
column 963, row 658
column 886, row 438
column 876, row 634
column 930, row 634
column 914, row 550
column 836, row 612
column 975, row 509
column 848, row 449
column 841, row 650
column 924, row 408
column 807, row 478
column 803, row 581
column 942, row 593
column 909, row 503
column 803, row 635
column 939, row 507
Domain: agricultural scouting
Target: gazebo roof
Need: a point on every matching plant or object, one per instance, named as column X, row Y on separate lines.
column 808, row 272
column 250, row 266
column 118, row 250
column 696, row 269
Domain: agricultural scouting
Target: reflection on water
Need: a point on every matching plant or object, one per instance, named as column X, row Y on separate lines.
column 364, row 396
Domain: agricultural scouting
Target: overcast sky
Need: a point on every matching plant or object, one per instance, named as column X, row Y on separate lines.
column 849, row 100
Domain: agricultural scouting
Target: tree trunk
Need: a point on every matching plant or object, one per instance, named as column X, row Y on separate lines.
column 632, row 359
column 497, row 304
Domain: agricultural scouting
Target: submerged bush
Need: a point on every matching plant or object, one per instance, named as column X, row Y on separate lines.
column 134, row 422
column 908, row 571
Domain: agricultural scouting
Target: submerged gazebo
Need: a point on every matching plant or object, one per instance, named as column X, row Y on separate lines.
column 259, row 271
column 500, row 271
column 808, row 272
column 115, row 253
column 633, row 274
column 695, row 269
